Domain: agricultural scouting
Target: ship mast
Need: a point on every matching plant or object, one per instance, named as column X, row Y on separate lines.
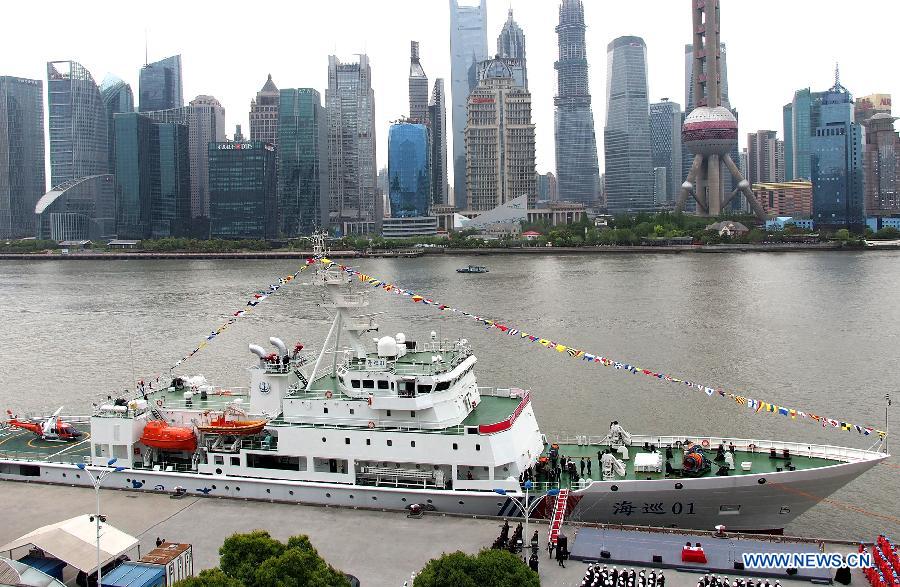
column 337, row 283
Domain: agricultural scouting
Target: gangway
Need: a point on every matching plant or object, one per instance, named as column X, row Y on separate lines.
column 559, row 514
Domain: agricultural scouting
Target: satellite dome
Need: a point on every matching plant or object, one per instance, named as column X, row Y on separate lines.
column 710, row 131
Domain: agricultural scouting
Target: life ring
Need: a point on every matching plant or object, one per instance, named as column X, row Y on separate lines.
column 328, row 395
column 371, row 424
column 159, row 403
column 751, row 447
column 704, row 443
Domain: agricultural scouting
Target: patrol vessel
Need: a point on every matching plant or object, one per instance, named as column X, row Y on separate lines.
column 391, row 421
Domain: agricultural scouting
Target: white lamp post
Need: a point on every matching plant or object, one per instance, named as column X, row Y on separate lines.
column 527, row 509
column 96, row 481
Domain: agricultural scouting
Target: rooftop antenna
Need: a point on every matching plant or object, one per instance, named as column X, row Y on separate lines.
column 837, row 74
column 887, row 422
column 146, row 52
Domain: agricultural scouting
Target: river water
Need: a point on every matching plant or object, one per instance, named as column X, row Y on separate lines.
column 818, row 331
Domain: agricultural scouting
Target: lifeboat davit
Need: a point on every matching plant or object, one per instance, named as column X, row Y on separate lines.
column 158, row 434
column 220, row 425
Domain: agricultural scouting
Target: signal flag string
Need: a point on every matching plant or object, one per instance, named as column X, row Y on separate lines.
column 755, row 405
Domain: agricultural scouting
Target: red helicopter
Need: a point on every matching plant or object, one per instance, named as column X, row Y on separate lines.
column 51, row 428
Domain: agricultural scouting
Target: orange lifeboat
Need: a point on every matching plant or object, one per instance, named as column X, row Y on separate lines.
column 220, row 425
column 158, row 434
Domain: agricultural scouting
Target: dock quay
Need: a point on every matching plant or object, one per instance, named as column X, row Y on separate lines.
column 352, row 540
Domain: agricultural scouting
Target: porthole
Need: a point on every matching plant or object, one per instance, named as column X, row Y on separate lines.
column 268, row 490
column 226, row 488
column 327, row 495
column 428, row 500
column 213, row 486
column 461, row 502
column 323, row 439
column 127, row 480
column 455, row 446
column 291, row 492
column 77, row 476
column 351, row 497
column 614, row 488
column 679, row 486
column 237, row 488
column 403, row 499
column 412, row 443
column 218, row 471
column 374, row 498
column 64, row 474
column 761, row 481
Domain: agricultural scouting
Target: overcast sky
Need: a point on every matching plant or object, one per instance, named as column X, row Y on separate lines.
column 774, row 47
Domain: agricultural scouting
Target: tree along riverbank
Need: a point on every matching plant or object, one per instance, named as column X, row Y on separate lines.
column 412, row 253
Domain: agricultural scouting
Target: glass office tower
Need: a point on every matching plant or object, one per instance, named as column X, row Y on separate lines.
column 152, row 178
column 409, row 170
column 303, row 163
column 629, row 167
column 160, row 85
column 242, row 196
column 22, row 179
column 117, row 98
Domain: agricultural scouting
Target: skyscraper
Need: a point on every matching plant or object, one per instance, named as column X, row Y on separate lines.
column 264, row 114
column 78, row 132
column 302, row 163
column 205, row 119
column 437, row 118
column 160, row 85
column 805, row 113
column 511, row 46
column 665, row 143
column 577, row 170
column 418, row 86
column 765, row 157
column 546, row 187
column 153, row 189
column 787, row 117
column 500, row 151
column 882, row 165
column 350, row 109
column 22, row 180
column 409, row 170
column 242, row 200
column 710, row 131
column 468, row 47
column 117, row 98
column 626, row 136
column 836, row 163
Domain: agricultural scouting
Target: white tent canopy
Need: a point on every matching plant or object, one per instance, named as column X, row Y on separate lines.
column 74, row 542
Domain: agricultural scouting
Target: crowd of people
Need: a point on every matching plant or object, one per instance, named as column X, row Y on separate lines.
column 886, row 558
column 723, row 581
column 597, row 576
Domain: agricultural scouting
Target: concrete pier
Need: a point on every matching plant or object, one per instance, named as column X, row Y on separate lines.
column 382, row 549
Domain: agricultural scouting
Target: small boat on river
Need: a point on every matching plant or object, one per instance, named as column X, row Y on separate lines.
column 472, row 269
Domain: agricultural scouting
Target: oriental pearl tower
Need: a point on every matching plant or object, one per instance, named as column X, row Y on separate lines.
column 710, row 131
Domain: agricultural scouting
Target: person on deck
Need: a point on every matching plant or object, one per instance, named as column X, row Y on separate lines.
column 582, row 466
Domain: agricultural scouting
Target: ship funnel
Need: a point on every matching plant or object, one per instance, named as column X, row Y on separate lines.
column 258, row 351
column 279, row 344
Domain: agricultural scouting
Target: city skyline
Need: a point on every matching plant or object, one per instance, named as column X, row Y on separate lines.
column 233, row 76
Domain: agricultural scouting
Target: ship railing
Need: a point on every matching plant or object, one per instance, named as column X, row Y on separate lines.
column 39, row 457
column 167, row 467
column 795, row 449
column 402, row 429
column 501, row 391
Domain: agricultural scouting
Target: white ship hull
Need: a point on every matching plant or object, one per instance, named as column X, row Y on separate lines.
column 700, row 503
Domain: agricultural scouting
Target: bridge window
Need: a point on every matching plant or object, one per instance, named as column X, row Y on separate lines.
column 383, row 384
column 219, row 460
column 442, row 386
column 354, row 383
column 277, row 462
column 368, row 384
column 235, row 461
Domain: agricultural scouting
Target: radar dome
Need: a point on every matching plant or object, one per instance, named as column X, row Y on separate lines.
column 387, row 346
